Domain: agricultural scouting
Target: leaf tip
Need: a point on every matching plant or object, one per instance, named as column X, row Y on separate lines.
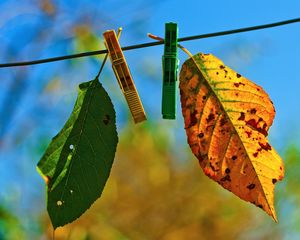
column 274, row 217
column 271, row 212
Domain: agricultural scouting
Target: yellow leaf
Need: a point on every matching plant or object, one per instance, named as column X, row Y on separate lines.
column 227, row 118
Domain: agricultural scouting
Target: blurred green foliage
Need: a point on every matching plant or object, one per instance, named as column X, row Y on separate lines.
column 10, row 227
column 150, row 196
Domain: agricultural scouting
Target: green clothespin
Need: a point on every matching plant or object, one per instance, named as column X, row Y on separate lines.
column 170, row 72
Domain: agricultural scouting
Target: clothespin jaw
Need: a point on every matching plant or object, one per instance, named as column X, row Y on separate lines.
column 123, row 76
column 170, row 71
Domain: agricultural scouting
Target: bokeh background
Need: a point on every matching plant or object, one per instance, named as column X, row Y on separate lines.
column 156, row 189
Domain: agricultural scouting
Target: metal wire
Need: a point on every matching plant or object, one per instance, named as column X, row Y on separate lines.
column 150, row 44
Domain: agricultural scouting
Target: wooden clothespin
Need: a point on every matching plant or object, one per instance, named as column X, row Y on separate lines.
column 123, row 76
column 170, row 71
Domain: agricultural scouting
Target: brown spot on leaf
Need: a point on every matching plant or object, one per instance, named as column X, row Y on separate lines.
column 212, row 167
column 234, row 157
column 193, row 118
column 226, row 178
column 210, row 117
column 223, row 121
column 251, row 186
column 252, row 123
column 259, row 149
column 253, row 111
column 222, row 66
column 242, row 117
column 248, row 133
column 201, row 135
column 255, row 154
column 264, row 126
column 204, row 97
column 274, row 180
column 265, row 146
column 238, row 75
column 227, row 170
column 236, row 84
column 106, row 119
column 201, row 158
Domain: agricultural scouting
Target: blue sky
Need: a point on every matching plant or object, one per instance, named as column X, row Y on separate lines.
column 268, row 57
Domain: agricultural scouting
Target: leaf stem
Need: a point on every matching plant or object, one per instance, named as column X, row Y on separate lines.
column 150, row 35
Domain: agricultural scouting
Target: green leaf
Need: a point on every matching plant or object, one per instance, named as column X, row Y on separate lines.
column 77, row 163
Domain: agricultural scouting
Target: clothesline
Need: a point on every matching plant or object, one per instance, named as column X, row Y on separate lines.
column 150, row 44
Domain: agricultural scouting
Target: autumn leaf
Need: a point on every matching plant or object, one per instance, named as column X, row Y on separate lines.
column 227, row 118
